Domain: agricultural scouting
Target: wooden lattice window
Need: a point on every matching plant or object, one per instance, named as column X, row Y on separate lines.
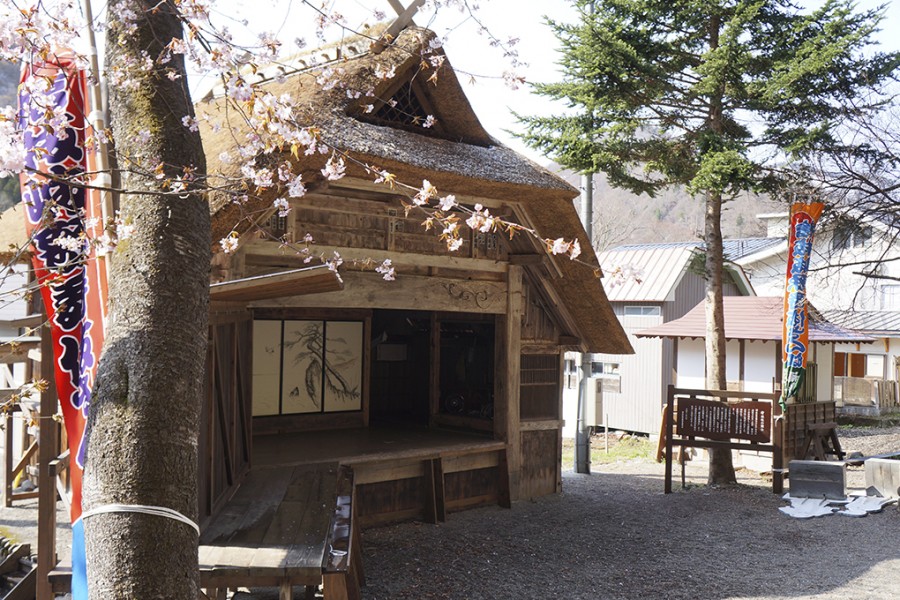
column 403, row 108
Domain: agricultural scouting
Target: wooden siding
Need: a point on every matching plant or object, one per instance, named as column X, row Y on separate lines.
column 225, row 434
column 537, row 323
column 408, row 292
column 540, row 463
column 378, row 221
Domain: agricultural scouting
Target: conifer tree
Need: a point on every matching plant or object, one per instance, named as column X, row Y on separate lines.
column 718, row 96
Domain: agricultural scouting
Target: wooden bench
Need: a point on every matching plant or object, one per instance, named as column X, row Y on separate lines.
column 286, row 527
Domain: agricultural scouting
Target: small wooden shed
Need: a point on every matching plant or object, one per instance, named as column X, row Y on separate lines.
column 453, row 369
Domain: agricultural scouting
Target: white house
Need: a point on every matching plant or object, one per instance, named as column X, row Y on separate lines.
column 854, row 280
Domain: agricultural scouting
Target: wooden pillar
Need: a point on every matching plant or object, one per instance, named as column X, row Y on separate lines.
column 46, row 479
column 7, row 479
column 508, row 353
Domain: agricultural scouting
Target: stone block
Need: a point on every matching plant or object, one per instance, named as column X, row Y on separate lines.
column 817, row 479
column 883, row 477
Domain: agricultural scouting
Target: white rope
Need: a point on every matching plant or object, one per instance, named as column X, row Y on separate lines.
column 159, row 511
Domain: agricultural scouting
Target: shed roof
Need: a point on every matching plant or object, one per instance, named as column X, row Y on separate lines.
column 757, row 318
column 660, row 267
column 871, row 322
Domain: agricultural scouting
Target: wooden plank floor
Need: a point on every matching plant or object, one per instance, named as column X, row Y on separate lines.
column 276, row 525
column 364, row 445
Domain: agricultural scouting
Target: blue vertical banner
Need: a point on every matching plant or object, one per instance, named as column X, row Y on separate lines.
column 795, row 335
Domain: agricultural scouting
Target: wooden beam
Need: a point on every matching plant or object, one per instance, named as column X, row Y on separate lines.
column 396, row 27
column 19, row 351
column 500, row 208
column 409, row 292
column 46, row 549
column 31, row 321
column 297, row 282
column 7, row 476
column 372, row 256
column 506, row 408
column 527, row 259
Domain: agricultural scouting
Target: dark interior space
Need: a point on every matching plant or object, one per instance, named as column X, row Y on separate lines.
column 401, row 342
column 467, row 369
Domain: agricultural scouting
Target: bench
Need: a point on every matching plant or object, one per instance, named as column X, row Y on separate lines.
column 284, row 528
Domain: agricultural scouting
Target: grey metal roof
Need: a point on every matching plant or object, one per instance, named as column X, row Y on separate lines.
column 739, row 248
column 867, row 321
column 658, row 269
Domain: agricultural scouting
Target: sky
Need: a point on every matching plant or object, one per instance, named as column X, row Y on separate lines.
column 470, row 52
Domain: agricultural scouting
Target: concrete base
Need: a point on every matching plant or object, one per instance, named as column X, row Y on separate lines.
column 883, row 477
column 818, row 479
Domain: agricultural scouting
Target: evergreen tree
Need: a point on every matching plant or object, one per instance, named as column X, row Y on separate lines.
column 716, row 95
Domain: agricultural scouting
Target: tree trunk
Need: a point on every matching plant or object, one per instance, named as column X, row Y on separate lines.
column 144, row 417
column 721, row 469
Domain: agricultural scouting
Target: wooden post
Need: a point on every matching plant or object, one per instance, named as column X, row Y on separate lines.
column 508, row 349
column 7, row 459
column 669, row 419
column 46, row 479
column 778, row 452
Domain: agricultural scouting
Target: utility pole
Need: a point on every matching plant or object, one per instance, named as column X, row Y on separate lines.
column 582, row 437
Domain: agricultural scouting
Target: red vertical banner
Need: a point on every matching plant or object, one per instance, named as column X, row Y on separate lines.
column 795, row 335
column 62, row 219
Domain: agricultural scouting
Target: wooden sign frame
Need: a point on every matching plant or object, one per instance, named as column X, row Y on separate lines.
column 733, row 420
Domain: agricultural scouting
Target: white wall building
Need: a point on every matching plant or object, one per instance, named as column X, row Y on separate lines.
column 853, row 280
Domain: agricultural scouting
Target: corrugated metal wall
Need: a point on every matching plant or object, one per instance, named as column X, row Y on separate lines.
column 646, row 375
column 633, row 408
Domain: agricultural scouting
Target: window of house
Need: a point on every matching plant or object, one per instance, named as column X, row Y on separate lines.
column 307, row 366
column 848, row 234
column 608, row 376
column 642, row 311
column 890, row 297
column 874, row 365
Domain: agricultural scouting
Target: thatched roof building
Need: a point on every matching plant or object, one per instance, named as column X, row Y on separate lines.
column 456, row 155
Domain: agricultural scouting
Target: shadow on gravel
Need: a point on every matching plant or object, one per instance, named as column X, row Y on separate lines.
column 617, row 536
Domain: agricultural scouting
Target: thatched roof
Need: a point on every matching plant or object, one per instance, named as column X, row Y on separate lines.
column 458, row 156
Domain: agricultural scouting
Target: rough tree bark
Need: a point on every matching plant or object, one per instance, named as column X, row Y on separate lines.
column 721, row 467
column 144, row 417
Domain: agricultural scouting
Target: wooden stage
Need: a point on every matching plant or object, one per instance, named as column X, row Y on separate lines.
column 400, row 473
column 295, row 519
column 365, row 445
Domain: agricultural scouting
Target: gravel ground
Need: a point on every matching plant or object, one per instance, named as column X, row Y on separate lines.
column 614, row 535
